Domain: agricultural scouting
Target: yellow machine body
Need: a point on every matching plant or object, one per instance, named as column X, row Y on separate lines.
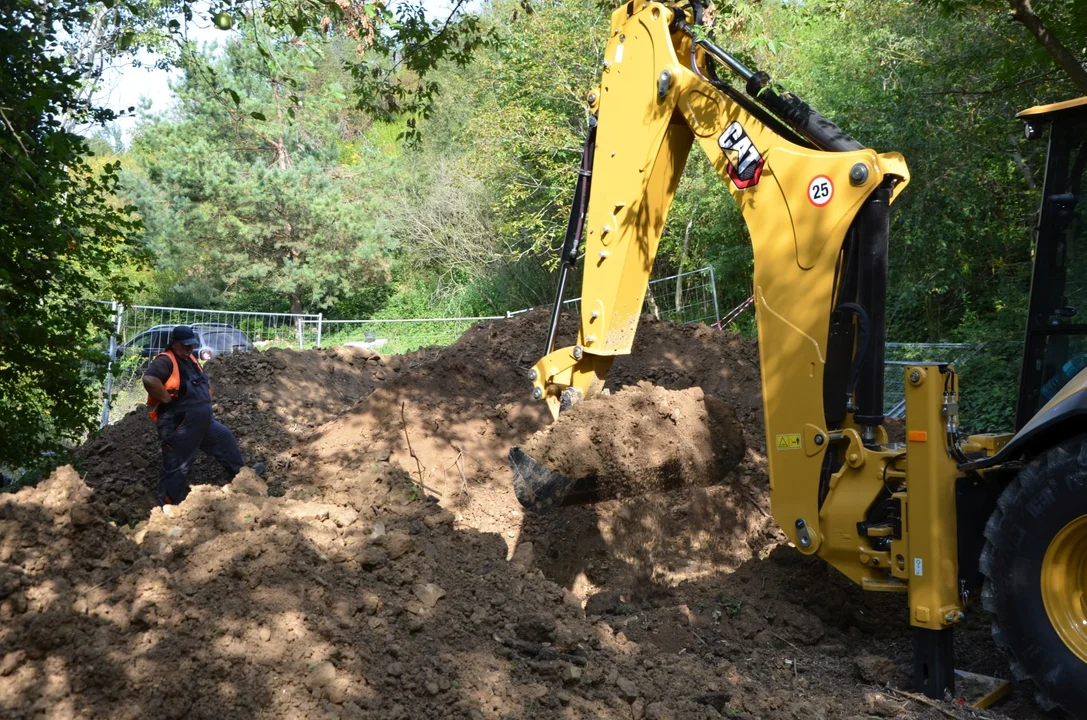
column 889, row 516
column 798, row 209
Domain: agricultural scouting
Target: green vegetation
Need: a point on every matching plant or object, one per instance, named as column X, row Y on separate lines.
column 361, row 161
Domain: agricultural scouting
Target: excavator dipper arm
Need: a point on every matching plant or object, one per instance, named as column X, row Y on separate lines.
column 655, row 99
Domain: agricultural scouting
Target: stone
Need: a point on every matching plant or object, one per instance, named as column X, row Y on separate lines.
column 627, row 689
column 717, row 700
column 372, row 557
column 398, row 544
column 637, row 709
column 874, row 669
column 265, row 633
column 395, row 669
column 81, row 516
column 658, row 711
column 322, row 674
column 11, row 662
column 428, row 594
column 536, row 627
column 880, row 705
column 572, row 674
column 532, row 691
column 336, row 692
column 603, row 603
column 524, row 557
column 378, row 529
column 246, row 482
column 344, row 516
column 371, row 602
column 435, row 520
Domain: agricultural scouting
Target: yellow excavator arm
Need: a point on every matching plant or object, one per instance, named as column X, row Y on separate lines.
column 816, row 203
column 921, row 516
column 657, row 95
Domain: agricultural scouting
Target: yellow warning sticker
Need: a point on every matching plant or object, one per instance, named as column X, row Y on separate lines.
column 788, row 441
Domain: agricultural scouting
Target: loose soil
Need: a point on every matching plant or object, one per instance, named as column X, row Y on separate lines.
column 383, row 569
column 642, row 439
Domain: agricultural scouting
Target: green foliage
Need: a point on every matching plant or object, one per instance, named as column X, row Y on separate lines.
column 267, row 194
column 63, row 238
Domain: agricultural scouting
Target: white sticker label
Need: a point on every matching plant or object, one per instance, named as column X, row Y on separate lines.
column 820, row 190
column 619, row 54
column 918, row 567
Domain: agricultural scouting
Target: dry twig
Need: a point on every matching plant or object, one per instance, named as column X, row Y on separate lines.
column 924, row 701
column 418, row 463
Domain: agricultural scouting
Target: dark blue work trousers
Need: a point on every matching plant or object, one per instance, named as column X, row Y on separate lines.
column 183, row 431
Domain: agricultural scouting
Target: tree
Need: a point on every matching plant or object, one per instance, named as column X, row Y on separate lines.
column 63, row 240
column 251, row 190
column 396, row 46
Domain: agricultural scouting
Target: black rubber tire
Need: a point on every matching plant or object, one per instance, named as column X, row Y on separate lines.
column 1049, row 493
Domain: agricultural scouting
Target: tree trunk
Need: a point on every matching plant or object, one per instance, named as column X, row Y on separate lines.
column 1023, row 13
column 296, row 303
column 1020, row 163
column 683, row 256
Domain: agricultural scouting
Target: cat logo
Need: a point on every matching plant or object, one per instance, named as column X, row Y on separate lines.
column 746, row 170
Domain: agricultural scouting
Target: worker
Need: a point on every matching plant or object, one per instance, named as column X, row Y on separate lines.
column 179, row 396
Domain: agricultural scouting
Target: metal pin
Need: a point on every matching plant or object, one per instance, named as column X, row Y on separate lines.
column 604, row 254
column 591, row 339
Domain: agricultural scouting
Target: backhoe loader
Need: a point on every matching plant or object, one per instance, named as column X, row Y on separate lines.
column 951, row 521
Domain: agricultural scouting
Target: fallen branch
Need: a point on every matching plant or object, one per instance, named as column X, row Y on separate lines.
column 418, row 464
column 540, row 652
column 460, row 468
column 924, row 701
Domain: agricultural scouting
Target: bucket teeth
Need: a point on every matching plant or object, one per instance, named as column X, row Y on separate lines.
column 537, row 488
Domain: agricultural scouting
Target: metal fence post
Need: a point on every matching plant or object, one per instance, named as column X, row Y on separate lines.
column 713, row 291
column 118, row 310
column 301, row 330
column 320, row 319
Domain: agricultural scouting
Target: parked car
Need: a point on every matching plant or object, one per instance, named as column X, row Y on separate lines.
column 215, row 339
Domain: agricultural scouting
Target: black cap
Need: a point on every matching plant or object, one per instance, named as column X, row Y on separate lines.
column 185, row 335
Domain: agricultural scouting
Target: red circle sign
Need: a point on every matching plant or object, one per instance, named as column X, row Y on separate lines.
column 820, row 190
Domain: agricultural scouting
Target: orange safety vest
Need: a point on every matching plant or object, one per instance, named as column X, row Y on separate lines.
column 172, row 384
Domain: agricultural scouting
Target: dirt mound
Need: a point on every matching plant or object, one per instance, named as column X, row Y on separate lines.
column 270, row 400
column 247, row 604
column 338, row 589
column 642, row 439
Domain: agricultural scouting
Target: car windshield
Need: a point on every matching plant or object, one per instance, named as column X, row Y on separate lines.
column 225, row 338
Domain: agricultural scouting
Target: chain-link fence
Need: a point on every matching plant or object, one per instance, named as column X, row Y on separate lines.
column 143, row 331
column 901, row 355
column 683, row 298
column 393, row 336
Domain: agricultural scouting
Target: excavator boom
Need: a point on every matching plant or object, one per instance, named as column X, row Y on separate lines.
column 920, row 517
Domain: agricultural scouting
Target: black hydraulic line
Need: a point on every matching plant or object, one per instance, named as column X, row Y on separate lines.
column 864, row 337
column 794, row 112
column 574, row 227
column 873, row 229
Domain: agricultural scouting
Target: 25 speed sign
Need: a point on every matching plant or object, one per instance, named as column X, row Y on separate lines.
column 820, row 190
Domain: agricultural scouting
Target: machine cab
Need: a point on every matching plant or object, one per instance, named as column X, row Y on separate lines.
column 1055, row 350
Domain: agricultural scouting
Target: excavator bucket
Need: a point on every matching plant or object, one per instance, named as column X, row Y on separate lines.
column 676, row 438
column 537, row 488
